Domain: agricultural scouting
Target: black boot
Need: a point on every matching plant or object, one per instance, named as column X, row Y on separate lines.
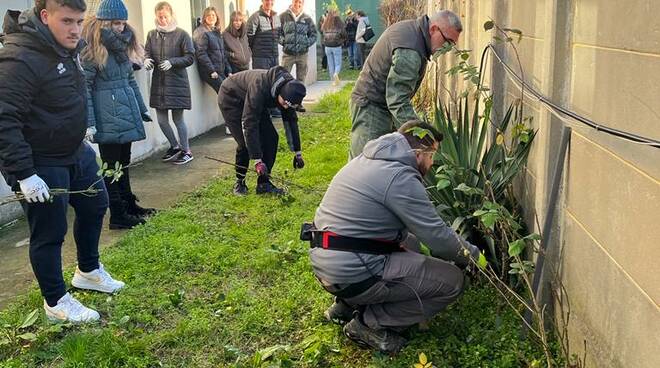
column 384, row 340
column 132, row 208
column 120, row 218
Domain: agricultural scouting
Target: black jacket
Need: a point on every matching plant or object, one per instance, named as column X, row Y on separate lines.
column 43, row 98
column 351, row 28
column 210, row 53
column 252, row 93
column 296, row 36
column 170, row 89
column 263, row 33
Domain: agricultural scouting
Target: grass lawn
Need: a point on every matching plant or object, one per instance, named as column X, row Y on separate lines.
column 221, row 281
column 345, row 74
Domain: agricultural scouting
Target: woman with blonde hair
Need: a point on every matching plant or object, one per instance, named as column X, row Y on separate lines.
column 115, row 106
column 169, row 51
column 210, row 52
column 236, row 43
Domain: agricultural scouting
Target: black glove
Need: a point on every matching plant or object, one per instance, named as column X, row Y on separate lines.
column 298, row 162
column 146, row 117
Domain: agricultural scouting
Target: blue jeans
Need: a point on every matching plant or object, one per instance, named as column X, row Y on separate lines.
column 48, row 222
column 334, row 60
column 353, row 57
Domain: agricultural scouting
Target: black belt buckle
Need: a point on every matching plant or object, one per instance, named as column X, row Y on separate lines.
column 307, row 231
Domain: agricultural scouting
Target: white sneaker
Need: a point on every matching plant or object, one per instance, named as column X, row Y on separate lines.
column 99, row 280
column 68, row 309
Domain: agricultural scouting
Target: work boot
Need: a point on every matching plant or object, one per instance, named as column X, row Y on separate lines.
column 240, row 189
column 339, row 312
column 384, row 340
column 120, row 218
column 269, row 188
column 68, row 309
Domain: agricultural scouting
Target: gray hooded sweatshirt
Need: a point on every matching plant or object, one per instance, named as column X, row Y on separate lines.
column 380, row 195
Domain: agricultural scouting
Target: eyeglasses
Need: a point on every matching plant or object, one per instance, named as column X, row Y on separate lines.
column 449, row 40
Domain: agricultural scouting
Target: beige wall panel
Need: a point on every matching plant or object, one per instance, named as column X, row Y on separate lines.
column 619, row 89
column 528, row 16
column 596, row 20
column 622, row 323
column 621, row 208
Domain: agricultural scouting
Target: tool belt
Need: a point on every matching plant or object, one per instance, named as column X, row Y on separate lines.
column 332, row 241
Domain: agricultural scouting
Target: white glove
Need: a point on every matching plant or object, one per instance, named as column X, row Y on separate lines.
column 34, row 189
column 215, row 75
column 89, row 133
column 165, row 65
column 148, row 64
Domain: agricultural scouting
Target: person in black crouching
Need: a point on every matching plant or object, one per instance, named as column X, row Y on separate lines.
column 245, row 99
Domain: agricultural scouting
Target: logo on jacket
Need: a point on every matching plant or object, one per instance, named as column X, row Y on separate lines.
column 60, row 68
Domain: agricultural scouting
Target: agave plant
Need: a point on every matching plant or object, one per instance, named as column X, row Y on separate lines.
column 473, row 175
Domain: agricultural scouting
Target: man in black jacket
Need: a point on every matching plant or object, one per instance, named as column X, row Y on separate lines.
column 43, row 120
column 263, row 29
column 245, row 99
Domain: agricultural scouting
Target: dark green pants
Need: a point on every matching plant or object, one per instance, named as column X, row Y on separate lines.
column 368, row 122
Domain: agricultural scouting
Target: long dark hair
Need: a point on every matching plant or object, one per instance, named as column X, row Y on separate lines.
column 332, row 22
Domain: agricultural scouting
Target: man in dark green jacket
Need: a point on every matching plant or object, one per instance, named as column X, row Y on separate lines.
column 381, row 99
column 297, row 35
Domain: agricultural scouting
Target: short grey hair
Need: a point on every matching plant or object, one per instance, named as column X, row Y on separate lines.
column 449, row 18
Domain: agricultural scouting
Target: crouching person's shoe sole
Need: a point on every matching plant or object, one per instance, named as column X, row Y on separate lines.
column 68, row 309
column 384, row 340
column 339, row 312
column 98, row 280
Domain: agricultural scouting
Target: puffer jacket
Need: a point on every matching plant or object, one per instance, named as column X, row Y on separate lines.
column 263, row 32
column 170, row 89
column 249, row 95
column 296, row 36
column 237, row 47
column 210, row 53
column 43, row 114
column 381, row 195
column 115, row 104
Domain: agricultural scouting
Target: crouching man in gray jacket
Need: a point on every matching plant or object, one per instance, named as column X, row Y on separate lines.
column 364, row 251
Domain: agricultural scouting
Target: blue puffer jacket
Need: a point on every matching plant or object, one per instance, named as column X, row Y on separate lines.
column 115, row 104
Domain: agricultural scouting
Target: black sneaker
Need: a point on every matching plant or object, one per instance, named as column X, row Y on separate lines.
column 269, row 188
column 339, row 312
column 240, row 189
column 183, row 158
column 384, row 340
column 171, row 154
column 301, row 108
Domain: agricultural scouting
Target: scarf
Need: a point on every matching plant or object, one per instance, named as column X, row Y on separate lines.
column 168, row 28
column 117, row 43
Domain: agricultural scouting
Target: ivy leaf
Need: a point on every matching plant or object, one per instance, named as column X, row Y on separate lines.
column 468, row 189
column 29, row 336
column 442, row 184
column 516, row 247
column 489, row 25
column 465, row 56
column 30, row 319
column 489, row 219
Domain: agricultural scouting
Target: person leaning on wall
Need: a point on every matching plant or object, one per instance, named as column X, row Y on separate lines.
column 43, row 119
column 169, row 51
column 116, row 110
column 210, row 52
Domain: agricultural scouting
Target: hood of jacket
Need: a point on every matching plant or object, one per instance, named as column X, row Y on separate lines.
column 391, row 147
column 26, row 29
column 278, row 77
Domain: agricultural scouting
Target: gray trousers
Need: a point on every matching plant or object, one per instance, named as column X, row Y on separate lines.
column 300, row 61
column 392, row 303
column 164, row 123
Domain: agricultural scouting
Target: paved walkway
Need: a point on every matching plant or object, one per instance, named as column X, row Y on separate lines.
column 157, row 185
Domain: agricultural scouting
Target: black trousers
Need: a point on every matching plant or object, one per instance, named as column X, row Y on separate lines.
column 267, row 133
column 48, row 222
column 111, row 154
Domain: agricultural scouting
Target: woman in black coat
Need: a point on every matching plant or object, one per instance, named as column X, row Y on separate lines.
column 210, row 52
column 169, row 51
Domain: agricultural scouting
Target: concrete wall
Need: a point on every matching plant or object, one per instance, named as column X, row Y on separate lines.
column 600, row 58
